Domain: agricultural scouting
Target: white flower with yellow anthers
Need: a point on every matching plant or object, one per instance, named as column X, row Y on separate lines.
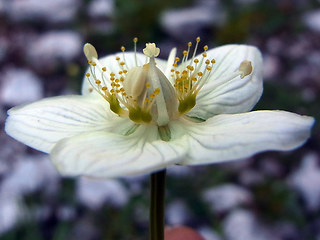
column 139, row 114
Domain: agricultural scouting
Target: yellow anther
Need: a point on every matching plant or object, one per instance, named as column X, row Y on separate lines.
column 207, row 61
column 213, row 61
column 104, row 69
column 177, row 72
column 121, row 79
column 112, row 74
column 104, row 88
column 125, row 71
column 123, row 48
column 189, row 44
column 117, row 58
column 152, row 95
column 172, row 70
column 205, row 47
column 98, row 82
column 117, row 85
column 94, row 64
column 113, row 84
column 186, row 85
column 194, row 79
column 122, row 89
column 120, row 72
column 185, row 52
column 112, row 79
column 89, row 62
column 124, row 94
column 175, row 65
column 177, row 59
column 209, row 68
column 117, row 80
column 112, row 91
column 184, row 72
column 148, row 85
column 147, row 100
column 87, row 74
column 196, row 60
column 200, row 74
column 198, row 39
column 156, row 91
column 122, row 63
column 204, row 55
column 135, row 40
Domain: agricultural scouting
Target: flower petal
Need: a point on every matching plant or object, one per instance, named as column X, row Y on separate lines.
column 112, row 65
column 234, row 136
column 106, row 155
column 222, row 94
column 42, row 124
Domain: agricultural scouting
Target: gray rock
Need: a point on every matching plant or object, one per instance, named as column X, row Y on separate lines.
column 225, row 197
column 177, row 213
column 19, row 86
column 188, row 22
column 312, row 20
column 54, row 47
column 53, row 11
column 94, row 193
column 305, row 181
column 243, row 225
column 101, row 8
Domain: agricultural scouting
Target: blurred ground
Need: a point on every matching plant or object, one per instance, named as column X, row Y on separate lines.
column 274, row 196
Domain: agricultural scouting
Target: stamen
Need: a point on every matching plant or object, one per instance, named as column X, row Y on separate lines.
column 135, row 40
column 245, row 68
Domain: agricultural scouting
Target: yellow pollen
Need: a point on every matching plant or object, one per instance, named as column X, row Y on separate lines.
column 89, row 62
column 104, row 69
column 117, row 85
column 213, row 61
column 122, row 63
column 117, row 58
column 198, row 39
column 147, row 100
column 121, row 79
column 200, row 74
column 172, row 70
column 113, row 84
column 135, row 40
column 125, row 71
column 194, row 79
column 117, row 80
column 185, row 52
column 87, row 74
column 156, row 91
column 94, row 64
column 98, row 82
column 196, row 60
column 122, row 89
column 147, row 85
column 112, row 79
column 112, row 74
column 189, row 44
column 104, row 88
column 120, row 72
column 209, row 68
column 152, row 95
column 123, row 48
column 177, row 72
column 112, row 91
column 175, row 65
column 205, row 47
column 177, row 59
column 204, row 55
column 207, row 61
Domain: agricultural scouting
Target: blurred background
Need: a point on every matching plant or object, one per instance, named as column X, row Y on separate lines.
column 271, row 196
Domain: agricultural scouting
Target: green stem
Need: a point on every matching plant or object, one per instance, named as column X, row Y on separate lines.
column 157, row 195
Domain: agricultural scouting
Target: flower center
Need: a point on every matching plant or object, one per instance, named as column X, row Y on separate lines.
column 144, row 93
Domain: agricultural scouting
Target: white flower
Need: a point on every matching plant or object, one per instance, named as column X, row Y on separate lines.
column 139, row 114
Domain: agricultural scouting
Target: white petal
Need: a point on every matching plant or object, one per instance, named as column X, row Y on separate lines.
column 222, row 95
column 234, row 136
column 112, row 65
column 104, row 155
column 42, row 124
